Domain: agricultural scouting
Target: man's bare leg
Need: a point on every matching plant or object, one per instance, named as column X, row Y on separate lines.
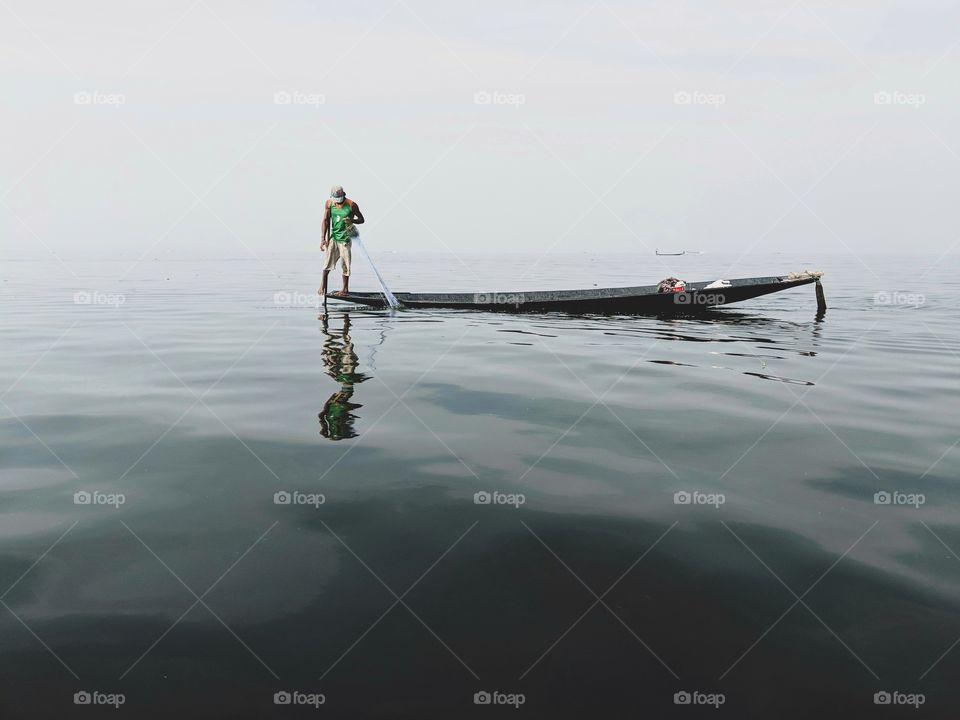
column 346, row 286
column 323, row 284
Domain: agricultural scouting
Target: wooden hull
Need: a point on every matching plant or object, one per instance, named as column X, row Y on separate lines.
column 611, row 301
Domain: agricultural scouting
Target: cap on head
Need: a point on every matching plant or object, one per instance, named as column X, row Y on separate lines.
column 336, row 192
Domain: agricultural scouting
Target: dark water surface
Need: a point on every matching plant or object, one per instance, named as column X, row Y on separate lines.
column 204, row 388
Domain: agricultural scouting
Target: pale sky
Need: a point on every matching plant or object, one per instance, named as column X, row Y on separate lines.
column 155, row 129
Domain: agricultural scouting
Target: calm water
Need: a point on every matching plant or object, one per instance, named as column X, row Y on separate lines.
column 184, row 395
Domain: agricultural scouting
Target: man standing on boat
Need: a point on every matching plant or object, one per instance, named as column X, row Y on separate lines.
column 340, row 214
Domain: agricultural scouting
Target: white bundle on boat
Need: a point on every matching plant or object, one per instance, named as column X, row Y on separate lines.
column 816, row 274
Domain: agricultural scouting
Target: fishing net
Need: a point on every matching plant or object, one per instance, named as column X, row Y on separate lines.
column 390, row 297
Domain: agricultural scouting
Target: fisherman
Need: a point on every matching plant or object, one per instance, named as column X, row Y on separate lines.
column 340, row 214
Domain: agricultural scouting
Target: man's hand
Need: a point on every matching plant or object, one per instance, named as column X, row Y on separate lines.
column 323, row 245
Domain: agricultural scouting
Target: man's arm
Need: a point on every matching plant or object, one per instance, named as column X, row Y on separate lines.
column 326, row 225
column 357, row 215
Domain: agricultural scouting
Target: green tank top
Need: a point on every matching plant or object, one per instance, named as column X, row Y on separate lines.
column 341, row 226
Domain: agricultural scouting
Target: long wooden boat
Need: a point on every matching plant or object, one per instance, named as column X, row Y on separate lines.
column 643, row 299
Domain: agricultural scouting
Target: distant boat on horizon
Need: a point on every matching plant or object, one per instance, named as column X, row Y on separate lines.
column 657, row 251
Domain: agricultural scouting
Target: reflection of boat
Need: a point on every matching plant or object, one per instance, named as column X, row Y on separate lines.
column 657, row 251
column 627, row 300
column 340, row 363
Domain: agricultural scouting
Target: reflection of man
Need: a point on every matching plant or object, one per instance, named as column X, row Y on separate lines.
column 340, row 363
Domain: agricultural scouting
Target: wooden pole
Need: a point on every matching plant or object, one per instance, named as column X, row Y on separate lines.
column 821, row 300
